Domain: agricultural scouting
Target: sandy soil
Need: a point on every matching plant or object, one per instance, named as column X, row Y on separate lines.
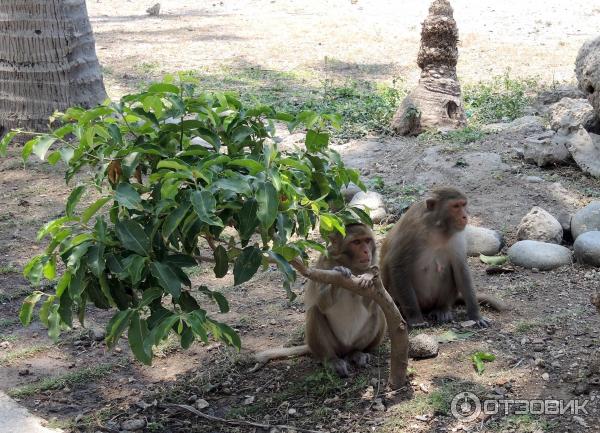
column 550, row 318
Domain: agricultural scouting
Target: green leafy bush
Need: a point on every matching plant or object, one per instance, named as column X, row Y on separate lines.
column 170, row 166
column 502, row 98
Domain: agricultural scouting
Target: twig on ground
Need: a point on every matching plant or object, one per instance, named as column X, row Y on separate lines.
column 240, row 422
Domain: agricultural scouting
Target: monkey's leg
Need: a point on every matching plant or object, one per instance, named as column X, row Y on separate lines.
column 442, row 315
column 322, row 342
column 409, row 305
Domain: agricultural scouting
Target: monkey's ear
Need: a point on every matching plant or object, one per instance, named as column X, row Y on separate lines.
column 430, row 202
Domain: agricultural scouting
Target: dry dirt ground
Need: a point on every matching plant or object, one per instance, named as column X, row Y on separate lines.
column 545, row 343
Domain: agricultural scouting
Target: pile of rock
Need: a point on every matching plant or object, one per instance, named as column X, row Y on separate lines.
column 574, row 122
column 541, row 234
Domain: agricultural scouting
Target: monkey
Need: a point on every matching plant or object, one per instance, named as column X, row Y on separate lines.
column 341, row 326
column 424, row 261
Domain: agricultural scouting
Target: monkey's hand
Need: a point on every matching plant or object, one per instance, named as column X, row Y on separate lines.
column 347, row 273
column 366, row 281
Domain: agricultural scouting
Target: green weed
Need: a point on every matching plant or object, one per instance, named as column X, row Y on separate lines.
column 70, row 379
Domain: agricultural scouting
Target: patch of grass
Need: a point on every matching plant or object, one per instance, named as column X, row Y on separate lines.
column 24, row 353
column 438, row 401
column 9, row 338
column 6, row 323
column 521, row 424
column 503, row 98
column 525, row 326
column 366, row 107
column 84, row 375
column 17, row 293
column 8, row 269
column 466, row 135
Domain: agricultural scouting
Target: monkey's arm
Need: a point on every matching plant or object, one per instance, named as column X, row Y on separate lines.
column 464, row 283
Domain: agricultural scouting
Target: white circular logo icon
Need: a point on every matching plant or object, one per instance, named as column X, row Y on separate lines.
column 465, row 406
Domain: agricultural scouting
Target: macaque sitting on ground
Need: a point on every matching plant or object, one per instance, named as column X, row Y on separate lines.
column 341, row 326
column 424, row 261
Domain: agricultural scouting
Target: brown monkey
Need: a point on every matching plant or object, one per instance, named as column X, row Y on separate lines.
column 341, row 326
column 424, row 261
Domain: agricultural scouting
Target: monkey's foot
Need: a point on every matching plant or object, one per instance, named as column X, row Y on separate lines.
column 442, row 316
column 417, row 322
column 347, row 273
column 340, row 366
column 482, row 322
column 361, row 359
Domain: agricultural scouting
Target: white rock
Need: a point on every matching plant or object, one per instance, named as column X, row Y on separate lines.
column 543, row 150
column 422, row 346
column 371, row 202
column 201, row 404
column 571, row 113
column 584, row 148
column 526, row 125
column 350, row 191
column 587, row 248
column 586, row 219
column 539, row 225
column 133, row 424
column 539, row 255
column 482, row 241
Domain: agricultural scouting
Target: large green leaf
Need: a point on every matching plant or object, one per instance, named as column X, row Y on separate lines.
column 174, row 220
column 246, row 265
column 268, row 203
column 74, row 198
column 95, row 259
column 133, row 237
column 28, row 305
column 221, row 261
column 93, row 208
column 167, row 278
column 138, row 330
column 127, row 196
column 116, row 326
column 205, row 205
column 248, row 221
column 40, row 148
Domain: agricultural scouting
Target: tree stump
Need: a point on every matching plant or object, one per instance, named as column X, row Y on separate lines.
column 436, row 102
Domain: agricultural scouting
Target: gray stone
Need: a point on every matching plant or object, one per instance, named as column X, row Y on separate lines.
column 526, row 125
column 483, row 241
column 570, row 114
column 422, row 346
column 17, row 419
column 350, row 191
column 372, row 202
column 539, row 255
column 587, row 248
column 587, row 70
column 584, row 148
column 133, row 424
column 586, row 219
column 543, row 149
column 539, row 225
column 548, row 97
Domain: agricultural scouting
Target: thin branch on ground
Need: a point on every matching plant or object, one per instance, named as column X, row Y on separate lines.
column 241, row 422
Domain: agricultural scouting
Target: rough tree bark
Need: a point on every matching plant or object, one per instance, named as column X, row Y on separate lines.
column 47, row 61
column 436, row 102
column 396, row 326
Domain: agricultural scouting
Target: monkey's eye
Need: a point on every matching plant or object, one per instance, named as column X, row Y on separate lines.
column 356, row 242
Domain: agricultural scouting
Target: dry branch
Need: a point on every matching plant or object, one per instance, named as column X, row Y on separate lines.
column 397, row 329
column 239, row 421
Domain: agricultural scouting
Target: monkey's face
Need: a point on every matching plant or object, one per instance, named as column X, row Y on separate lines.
column 360, row 250
column 456, row 211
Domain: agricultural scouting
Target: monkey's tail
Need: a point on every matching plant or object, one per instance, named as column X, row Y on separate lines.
column 265, row 356
column 281, row 352
column 491, row 301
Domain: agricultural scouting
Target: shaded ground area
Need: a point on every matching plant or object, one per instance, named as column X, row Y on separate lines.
column 292, row 54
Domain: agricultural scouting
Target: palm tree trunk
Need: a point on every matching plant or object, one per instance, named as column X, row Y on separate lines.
column 47, row 61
